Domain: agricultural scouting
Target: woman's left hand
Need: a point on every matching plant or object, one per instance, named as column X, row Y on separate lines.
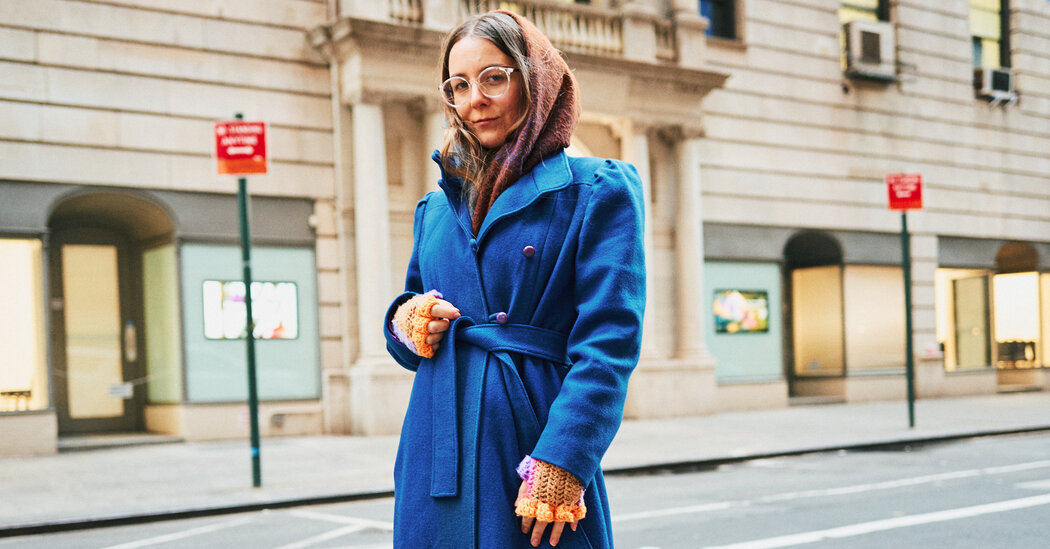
column 540, row 526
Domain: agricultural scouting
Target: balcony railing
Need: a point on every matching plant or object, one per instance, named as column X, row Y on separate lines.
column 633, row 32
column 406, row 11
column 574, row 28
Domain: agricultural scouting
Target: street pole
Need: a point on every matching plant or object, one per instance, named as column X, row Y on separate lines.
column 246, row 261
column 909, row 369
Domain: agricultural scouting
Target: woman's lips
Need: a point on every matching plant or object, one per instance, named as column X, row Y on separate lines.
column 484, row 121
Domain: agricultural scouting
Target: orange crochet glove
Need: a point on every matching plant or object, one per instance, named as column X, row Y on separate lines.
column 552, row 494
column 411, row 320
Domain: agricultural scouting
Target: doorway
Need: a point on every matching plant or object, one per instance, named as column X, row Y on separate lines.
column 95, row 318
column 815, row 341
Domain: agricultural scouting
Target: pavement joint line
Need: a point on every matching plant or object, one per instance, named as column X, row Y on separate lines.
column 58, row 526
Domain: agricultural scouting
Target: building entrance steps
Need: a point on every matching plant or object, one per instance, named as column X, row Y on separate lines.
column 151, row 482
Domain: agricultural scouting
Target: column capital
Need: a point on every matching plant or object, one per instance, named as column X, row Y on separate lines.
column 677, row 133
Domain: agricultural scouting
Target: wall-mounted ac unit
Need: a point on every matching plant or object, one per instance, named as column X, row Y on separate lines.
column 871, row 50
column 994, row 84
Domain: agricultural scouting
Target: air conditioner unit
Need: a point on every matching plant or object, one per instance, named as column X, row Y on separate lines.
column 994, row 84
column 871, row 50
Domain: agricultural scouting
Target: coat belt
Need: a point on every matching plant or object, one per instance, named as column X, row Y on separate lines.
column 498, row 340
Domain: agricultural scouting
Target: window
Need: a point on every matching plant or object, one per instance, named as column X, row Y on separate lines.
column 861, row 10
column 722, row 15
column 867, row 10
column 23, row 365
column 989, row 31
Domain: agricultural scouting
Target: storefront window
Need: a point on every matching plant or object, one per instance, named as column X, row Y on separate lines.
column 23, row 363
column 1017, row 320
column 874, row 309
column 163, row 332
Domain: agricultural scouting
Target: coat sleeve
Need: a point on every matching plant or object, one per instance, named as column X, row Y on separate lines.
column 413, row 286
column 605, row 341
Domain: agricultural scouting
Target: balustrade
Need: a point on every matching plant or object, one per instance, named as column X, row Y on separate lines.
column 406, row 11
column 573, row 28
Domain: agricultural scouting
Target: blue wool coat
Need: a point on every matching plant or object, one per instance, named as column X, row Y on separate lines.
column 551, row 292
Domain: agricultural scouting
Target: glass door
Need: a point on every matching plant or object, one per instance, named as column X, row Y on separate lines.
column 95, row 353
column 972, row 336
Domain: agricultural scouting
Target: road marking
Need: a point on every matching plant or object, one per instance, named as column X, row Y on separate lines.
column 889, row 524
column 184, row 534
column 701, row 508
column 842, row 490
column 340, row 519
column 328, row 536
column 1040, row 485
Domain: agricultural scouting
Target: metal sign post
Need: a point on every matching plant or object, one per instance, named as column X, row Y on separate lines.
column 241, row 149
column 905, row 193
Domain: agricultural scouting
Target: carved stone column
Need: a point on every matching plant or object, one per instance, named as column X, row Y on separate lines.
column 434, row 126
column 371, row 227
column 378, row 387
column 634, row 143
column 684, row 385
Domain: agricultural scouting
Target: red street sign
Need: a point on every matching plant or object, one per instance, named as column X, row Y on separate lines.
column 905, row 191
column 240, row 147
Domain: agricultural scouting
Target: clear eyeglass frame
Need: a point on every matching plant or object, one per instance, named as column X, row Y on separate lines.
column 489, row 88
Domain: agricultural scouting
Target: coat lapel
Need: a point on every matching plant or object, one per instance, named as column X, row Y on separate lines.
column 551, row 174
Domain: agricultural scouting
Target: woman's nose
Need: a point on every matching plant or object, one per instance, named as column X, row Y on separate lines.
column 476, row 97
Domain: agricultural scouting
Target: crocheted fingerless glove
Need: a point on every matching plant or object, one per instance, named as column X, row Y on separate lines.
column 410, row 323
column 552, row 494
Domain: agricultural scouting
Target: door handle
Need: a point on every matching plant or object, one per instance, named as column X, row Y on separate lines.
column 131, row 347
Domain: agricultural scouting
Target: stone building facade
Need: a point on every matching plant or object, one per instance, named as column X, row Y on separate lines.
column 762, row 129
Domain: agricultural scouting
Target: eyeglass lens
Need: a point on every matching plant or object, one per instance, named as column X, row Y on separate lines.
column 492, row 82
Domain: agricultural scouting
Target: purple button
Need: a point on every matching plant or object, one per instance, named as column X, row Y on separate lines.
column 501, row 318
column 529, row 251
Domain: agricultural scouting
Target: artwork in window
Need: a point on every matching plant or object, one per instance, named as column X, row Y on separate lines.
column 741, row 311
column 274, row 310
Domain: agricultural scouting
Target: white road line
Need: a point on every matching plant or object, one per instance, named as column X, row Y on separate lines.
column 340, row 519
column 184, row 534
column 328, row 536
column 701, row 508
column 889, row 524
column 842, row 490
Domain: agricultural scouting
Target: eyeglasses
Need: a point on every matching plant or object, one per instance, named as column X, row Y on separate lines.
column 493, row 82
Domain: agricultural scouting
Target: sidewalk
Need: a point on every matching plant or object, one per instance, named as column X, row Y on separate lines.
column 138, row 481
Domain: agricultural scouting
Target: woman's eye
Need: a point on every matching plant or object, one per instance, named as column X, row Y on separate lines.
column 493, row 79
column 460, row 87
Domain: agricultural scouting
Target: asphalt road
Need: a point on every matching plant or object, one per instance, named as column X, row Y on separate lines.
column 982, row 493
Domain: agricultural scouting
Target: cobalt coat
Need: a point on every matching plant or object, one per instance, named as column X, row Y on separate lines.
column 551, row 292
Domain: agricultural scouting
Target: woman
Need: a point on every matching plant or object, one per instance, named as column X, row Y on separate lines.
column 524, row 343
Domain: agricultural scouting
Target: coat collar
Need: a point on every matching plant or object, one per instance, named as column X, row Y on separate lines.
column 551, row 174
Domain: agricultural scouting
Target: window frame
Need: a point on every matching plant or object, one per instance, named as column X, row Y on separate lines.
column 727, row 17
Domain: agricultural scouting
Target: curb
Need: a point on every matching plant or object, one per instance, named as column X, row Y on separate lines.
column 655, row 468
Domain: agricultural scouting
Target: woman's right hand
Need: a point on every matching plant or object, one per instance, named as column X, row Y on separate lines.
column 444, row 313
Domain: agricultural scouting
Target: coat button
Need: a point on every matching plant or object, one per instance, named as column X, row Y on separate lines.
column 474, row 244
column 501, row 318
column 528, row 251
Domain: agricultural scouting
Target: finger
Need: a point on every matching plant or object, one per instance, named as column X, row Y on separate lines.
column 526, row 524
column 433, row 338
column 556, row 532
column 444, row 309
column 537, row 532
column 573, row 524
column 437, row 326
column 434, row 347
